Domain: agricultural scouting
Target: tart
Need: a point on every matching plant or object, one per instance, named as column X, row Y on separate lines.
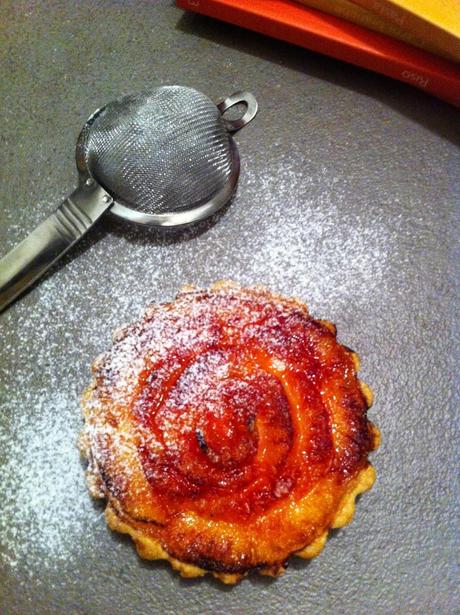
column 227, row 431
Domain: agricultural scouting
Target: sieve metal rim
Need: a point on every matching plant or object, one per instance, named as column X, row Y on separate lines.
column 197, row 212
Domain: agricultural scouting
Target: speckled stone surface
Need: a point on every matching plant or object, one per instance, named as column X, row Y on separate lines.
column 348, row 198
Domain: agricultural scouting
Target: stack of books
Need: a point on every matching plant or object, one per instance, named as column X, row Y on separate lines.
column 415, row 41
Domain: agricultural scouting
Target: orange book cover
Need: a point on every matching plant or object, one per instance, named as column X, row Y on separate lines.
column 305, row 27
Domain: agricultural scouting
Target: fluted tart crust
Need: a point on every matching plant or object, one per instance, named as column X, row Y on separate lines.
column 228, row 430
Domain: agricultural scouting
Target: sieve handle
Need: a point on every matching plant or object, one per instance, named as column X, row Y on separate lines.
column 51, row 239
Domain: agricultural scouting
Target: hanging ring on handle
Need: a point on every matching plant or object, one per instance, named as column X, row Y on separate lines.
column 245, row 98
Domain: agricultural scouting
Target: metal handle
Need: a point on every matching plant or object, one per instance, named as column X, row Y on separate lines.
column 247, row 99
column 51, row 239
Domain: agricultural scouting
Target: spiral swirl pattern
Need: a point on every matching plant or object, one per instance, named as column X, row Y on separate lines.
column 228, row 430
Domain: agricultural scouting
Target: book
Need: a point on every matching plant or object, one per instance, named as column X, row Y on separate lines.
column 346, row 9
column 297, row 24
column 435, row 21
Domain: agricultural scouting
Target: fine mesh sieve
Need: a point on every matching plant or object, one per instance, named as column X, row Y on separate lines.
column 160, row 151
column 163, row 157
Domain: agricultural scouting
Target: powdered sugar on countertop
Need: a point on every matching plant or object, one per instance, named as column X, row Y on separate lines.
column 301, row 229
column 277, row 232
column 45, row 509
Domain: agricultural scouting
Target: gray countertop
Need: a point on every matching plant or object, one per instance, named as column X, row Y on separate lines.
column 348, row 198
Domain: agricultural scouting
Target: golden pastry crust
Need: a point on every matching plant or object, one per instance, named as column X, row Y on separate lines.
column 228, row 431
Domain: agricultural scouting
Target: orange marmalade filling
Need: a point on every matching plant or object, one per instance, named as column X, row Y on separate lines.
column 229, row 408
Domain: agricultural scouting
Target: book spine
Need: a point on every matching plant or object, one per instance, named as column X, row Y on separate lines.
column 339, row 39
column 430, row 32
column 346, row 9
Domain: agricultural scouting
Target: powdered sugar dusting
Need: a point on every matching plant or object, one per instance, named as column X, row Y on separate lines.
column 310, row 249
column 44, row 510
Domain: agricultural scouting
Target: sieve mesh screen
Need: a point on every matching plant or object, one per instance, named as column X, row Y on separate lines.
column 164, row 150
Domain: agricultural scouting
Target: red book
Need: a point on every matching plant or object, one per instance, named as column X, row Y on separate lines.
column 340, row 39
